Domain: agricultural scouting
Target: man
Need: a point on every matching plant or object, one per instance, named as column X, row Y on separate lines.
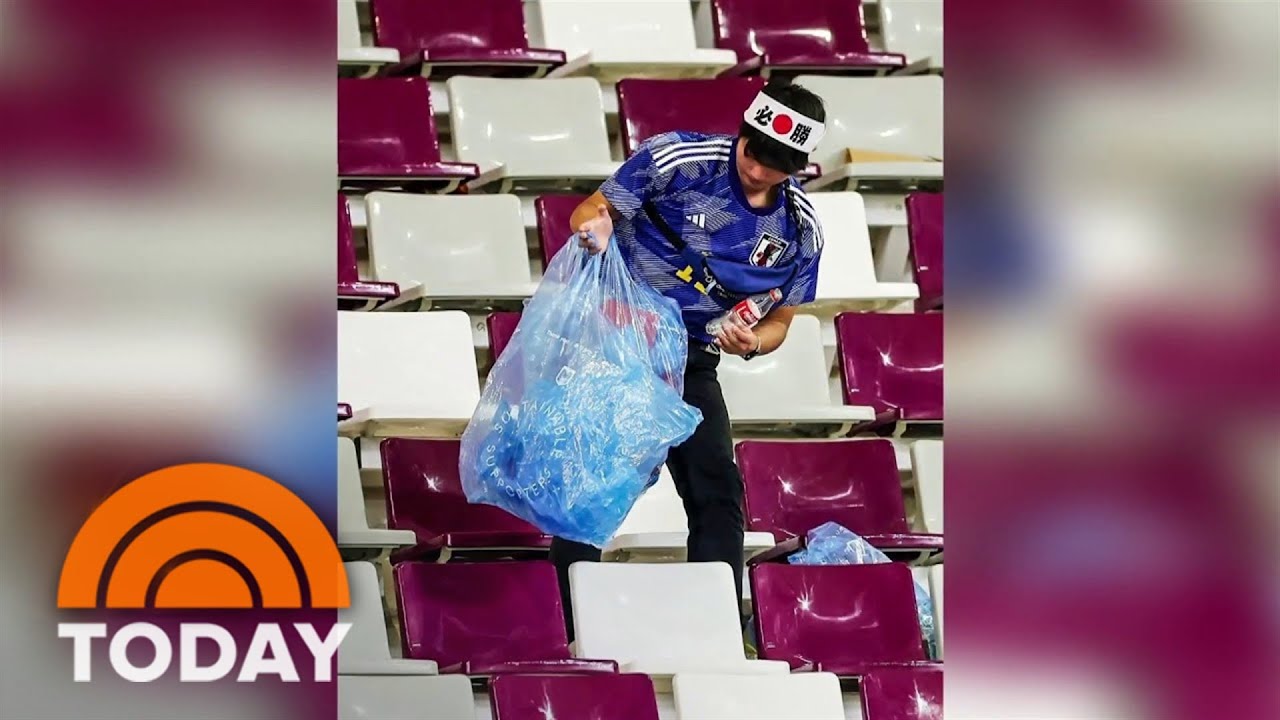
column 709, row 220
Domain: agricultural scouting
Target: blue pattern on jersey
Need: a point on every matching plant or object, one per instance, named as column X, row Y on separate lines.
column 692, row 180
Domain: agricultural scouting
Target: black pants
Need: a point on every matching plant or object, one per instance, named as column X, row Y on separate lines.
column 705, row 476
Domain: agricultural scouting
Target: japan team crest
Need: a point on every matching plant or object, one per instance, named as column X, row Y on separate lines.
column 768, row 250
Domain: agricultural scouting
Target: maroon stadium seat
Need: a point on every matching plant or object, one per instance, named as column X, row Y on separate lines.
column 487, row 618
column 855, row 618
column 892, row 363
column 553, row 213
column 538, row 697
column 793, row 487
column 501, row 326
column 924, row 227
column 811, row 37
column 652, row 107
column 901, row 694
column 424, row 494
column 387, row 137
column 439, row 38
column 350, row 286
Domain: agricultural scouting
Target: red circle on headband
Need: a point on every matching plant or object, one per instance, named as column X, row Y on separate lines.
column 782, row 124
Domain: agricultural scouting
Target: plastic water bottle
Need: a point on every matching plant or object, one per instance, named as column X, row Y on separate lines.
column 747, row 312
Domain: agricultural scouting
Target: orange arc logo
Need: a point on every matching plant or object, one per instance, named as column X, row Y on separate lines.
column 203, row 536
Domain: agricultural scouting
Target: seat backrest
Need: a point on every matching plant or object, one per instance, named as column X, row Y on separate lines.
column 847, row 268
column 351, row 514
column 554, row 213
column 659, row 509
column 674, row 612
column 789, row 29
column 926, row 462
column 793, row 375
column 892, row 361
column 890, row 114
column 538, row 697
column 652, row 107
column 901, row 694
column 423, row 359
column 655, row 29
column 924, row 229
column 348, row 25
column 385, row 126
column 811, row 696
column 367, row 638
column 416, row 25
column 424, row 492
column 793, row 487
column 885, row 627
column 452, row 244
column 361, row 697
column 484, row 612
column 348, row 267
column 501, row 326
column 526, row 124
column 913, row 28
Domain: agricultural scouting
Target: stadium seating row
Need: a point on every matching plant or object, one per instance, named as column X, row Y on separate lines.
column 791, row 487
column 670, row 622
column 550, row 135
column 468, row 599
column 886, row 694
column 649, row 38
column 472, row 249
column 415, row 374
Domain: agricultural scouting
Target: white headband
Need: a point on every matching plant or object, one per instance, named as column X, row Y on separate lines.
column 783, row 124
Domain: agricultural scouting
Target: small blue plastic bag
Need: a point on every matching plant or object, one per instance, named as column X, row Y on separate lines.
column 834, row 544
column 581, row 407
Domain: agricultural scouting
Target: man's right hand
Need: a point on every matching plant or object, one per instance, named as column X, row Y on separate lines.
column 594, row 234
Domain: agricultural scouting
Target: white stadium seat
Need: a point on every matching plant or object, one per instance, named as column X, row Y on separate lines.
column 458, row 247
column 913, row 28
column 657, row 528
column 888, row 114
column 788, row 386
column 847, row 273
column 355, row 537
column 613, row 39
column 407, row 374
column 531, row 134
column 926, row 461
column 661, row 619
column 802, row 696
column 443, row 697
column 354, row 58
column 365, row 651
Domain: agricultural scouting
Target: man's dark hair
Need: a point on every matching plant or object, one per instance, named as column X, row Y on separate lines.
column 771, row 153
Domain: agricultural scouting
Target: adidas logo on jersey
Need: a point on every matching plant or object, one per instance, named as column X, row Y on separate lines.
column 699, row 219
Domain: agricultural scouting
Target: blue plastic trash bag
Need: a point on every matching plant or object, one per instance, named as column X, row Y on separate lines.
column 580, row 409
column 834, row 544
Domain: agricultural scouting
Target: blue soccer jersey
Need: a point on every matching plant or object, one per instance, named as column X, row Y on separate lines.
column 692, row 181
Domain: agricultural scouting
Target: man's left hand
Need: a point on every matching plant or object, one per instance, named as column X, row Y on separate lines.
column 737, row 340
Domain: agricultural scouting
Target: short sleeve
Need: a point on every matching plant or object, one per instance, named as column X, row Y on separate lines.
column 639, row 179
column 804, row 286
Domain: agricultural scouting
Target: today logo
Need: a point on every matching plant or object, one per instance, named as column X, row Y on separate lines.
column 203, row 537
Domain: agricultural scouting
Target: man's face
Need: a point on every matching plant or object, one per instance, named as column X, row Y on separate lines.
column 754, row 176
